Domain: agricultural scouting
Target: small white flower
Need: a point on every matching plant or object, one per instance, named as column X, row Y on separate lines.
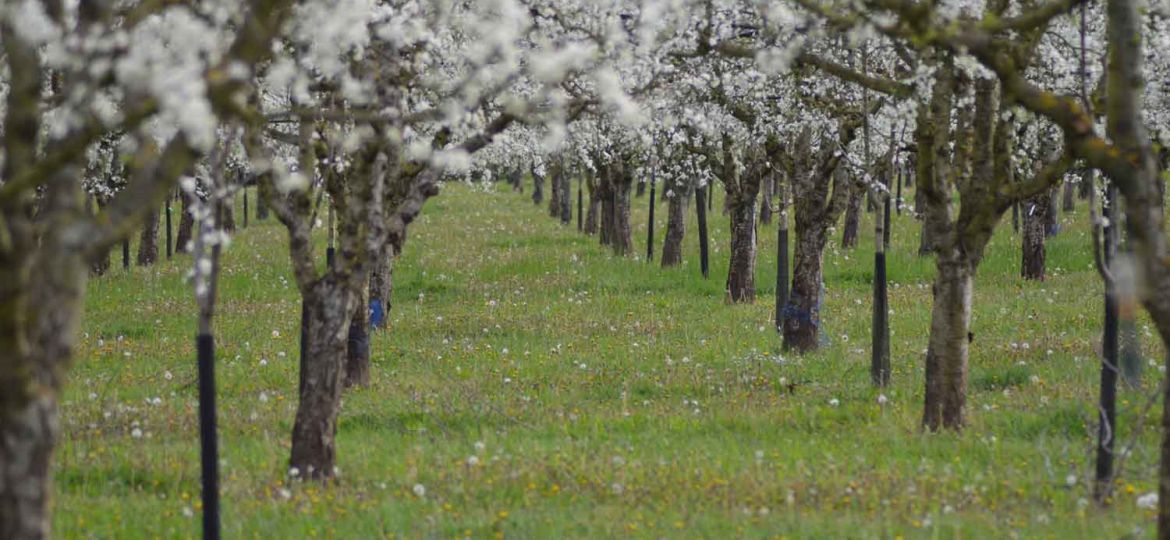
column 285, row 494
column 1149, row 501
column 882, row 399
column 419, row 490
column 136, row 433
column 294, row 472
column 275, row 334
column 834, row 402
column 263, row 397
column 167, row 375
column 1070, row 480
column 472, row 461
column 479, row 446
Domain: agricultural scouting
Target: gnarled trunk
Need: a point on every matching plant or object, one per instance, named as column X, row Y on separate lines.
column 768, row 187
column 852, row 218
column 186, row 223
column 357, row 354
column 802, row 321
column 676, row 226
column 566, row 204
column 622, row 239
column 946, row 354
column 329, row 308
column 1035, row 216
column 148, row 240
column 28, row 435
column 381, row 287
column 741, row 272
column 537, row 188
column 554, row 200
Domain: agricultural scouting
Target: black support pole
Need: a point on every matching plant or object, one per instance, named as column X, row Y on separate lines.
column 208, row 438
column 170, row 248
column 1107, row 406
column 701, row 207
column 126, row 253
column 650, row 233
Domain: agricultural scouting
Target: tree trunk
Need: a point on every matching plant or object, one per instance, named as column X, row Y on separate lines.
column 1069, row 202
column 676, row 226
column 852, row 219
column 802, row 319
column 381, row 287
column 357, row 357
column 594, row 209
column 28, row 435
column 100, row 263
column 148, row 241
column 1035, row 212
column 605, row 191
column 329, row 308
column 741, row 272
column 186, row 223
column 769, row 186
column 946, row 354
column 566, row 202
column 537, row 188
column 554, row 200
column 227, row 211
column 623, row 240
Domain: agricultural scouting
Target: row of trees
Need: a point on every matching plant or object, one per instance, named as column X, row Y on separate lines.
column 358, row 111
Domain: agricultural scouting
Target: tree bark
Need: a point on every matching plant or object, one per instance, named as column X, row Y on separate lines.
column 802, row 319
column 186, row 224
column 623, row 184
column 566, row 202
column 329, row 308
column 947, row 350
column 741, row 271
column 1069, row 194
column 382, row 286
column 676, row 225
column 148, row 240
column 769, row 186
column 554, row 201
column 227, row 211
column 537, row 188
column 28, row 436
column 1035, row 214
column 357, row 356
column 592, row 217
column 852, row 219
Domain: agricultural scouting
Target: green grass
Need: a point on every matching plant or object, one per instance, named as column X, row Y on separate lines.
column 612, row 398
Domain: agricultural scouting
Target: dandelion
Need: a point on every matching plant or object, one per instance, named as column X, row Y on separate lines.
column 1070, row 480
column 834, row 402
column 167, row 375
column 479, row 446
column 294, row 472
column 882, row 399
column 472, row 461
column 275, row 334
column 136, row 433
column 419, row 490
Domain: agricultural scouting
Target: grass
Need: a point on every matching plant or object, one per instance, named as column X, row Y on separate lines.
column 601, row 397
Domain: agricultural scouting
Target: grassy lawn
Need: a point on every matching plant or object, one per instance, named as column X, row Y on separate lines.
column 535, row 386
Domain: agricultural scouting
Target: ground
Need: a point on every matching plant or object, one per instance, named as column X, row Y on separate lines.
column 531, row 385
